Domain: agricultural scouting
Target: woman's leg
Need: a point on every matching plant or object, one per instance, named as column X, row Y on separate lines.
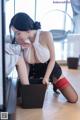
column 66, row 89
column 22, row 71
column 61, row 83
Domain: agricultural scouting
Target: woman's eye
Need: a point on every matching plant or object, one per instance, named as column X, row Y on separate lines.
column 17, row 33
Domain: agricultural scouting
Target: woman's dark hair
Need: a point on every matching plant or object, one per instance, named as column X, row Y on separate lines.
column 23, row 22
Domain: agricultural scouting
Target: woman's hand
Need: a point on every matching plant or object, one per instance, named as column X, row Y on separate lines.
column 26, row 45
column 45, row 81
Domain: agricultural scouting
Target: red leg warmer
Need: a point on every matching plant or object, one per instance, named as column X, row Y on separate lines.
column 62, row 83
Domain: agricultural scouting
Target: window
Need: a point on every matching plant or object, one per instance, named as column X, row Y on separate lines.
column 9, row 13
column 61, row 1
column 50, row 18
column 2, row 67
column 27, row 6
column 15, row 6
column 53, row 18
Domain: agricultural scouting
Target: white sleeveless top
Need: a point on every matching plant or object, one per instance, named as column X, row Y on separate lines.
column 42, row 53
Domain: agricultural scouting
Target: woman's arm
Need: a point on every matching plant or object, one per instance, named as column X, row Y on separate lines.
column 50, row 44
column 22, row 71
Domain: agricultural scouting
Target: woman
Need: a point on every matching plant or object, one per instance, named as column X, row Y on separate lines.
column 38, row 52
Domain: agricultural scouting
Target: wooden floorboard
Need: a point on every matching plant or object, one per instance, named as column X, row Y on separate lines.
column 55, row 107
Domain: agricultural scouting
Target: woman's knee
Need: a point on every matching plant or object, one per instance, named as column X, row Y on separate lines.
column 70, row 95
column 67, row 90
column 73, row 99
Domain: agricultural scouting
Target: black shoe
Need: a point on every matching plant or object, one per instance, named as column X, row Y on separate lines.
column 55, row 90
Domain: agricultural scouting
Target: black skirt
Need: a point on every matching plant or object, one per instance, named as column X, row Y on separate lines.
column 37, row 72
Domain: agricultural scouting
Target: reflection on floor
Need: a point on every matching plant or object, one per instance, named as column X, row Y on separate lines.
column 55, row 107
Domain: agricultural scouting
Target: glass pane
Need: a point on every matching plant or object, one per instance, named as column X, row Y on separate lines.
column 52, row 16
column 61, row 50
column 9, row 13
column 69, row 25
column 1, row 73
column 2, row 67
column 27, row 6
column 58, row 1
column 48, row 15
column 53, row 19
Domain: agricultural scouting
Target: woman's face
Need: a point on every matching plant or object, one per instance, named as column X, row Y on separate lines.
column 20, row 36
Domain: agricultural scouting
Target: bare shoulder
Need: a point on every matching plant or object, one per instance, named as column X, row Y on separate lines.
column 45, row 36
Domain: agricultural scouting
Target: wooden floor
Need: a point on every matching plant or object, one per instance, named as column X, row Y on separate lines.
column 55, row 107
